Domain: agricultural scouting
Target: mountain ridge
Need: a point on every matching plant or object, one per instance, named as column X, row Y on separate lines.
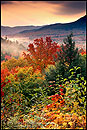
column 6, row 30
column 81, row 22
column 78, row 24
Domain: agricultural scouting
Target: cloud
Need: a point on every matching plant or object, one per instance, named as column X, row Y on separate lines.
column 41, row 12
column 68, row 3
column 69, row 7
column 55, row 2
column 14, row 2
column 6, row 2
column 66, row 7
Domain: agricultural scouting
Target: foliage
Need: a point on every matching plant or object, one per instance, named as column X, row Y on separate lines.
column 5, row 56
column 27, row 82
column 13, row 62
column 30, row 83
column 77, row 88
column 82, row 51
column 75, row 79
column 41, row 53
column 68, row 55
column 4, row 73
column 51, row 72
column 31, row 99
column 62, row 112
column 82, row 64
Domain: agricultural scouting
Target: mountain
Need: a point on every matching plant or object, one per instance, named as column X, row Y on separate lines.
column 57, row 32
column 24, row 30
column 6, row 30
column 79, row 24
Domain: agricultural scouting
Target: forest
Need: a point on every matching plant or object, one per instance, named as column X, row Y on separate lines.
column 45, row 88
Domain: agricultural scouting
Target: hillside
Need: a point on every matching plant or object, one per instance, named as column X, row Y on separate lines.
column 6, row 30
column 56, row 31
column 79, row 24
column 27, row 30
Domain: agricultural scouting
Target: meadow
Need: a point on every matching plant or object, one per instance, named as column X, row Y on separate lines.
column 45, row 88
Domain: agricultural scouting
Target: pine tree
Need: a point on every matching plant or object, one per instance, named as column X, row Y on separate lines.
column 68, row 55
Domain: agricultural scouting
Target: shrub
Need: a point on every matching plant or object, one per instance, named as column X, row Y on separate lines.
column 13, row 62
column 27, row 81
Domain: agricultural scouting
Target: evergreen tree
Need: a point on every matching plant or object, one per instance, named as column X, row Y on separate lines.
column 68, row 56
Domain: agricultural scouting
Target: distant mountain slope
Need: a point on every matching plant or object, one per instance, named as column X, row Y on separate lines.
column 6, row 30
column 57, row 32
column 79, row 24
column 24, row 30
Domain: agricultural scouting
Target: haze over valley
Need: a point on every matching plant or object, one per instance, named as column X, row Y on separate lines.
column 26, row 34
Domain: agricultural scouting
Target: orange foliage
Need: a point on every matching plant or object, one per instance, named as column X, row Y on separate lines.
column 82, row 51
column 41, row 53
column 4, row 72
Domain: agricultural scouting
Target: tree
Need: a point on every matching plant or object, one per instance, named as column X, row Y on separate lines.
column 41, row 53
column 68, row 55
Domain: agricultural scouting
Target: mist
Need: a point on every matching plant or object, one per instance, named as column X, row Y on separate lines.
column 14, row 48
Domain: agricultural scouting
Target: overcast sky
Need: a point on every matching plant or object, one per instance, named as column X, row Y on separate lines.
column 17, row 13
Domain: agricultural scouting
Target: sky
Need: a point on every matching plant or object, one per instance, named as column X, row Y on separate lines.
column 38, row 13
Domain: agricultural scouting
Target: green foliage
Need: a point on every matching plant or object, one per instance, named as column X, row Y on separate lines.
column 28, row 83
column 75, row 95
column 50, row 73
column 82, row 64
column 2, row 56
column 75, row 83
column 68, row 56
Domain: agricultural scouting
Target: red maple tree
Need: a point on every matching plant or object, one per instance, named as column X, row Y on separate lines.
column 40, row 53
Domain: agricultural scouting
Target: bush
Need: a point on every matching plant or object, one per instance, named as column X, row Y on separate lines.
column 82, row 64
column 27, row 82
column 13, row 62
column 75, row 82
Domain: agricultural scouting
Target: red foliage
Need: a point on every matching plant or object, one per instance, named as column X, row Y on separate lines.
column 82, row 51
column 4, row 72
column 7, row 57
column 50, row 85
column 57, row 98
column 40, row 53
column 14, row 70
column 61, row 93
column 2, row 93
column 61, row 89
